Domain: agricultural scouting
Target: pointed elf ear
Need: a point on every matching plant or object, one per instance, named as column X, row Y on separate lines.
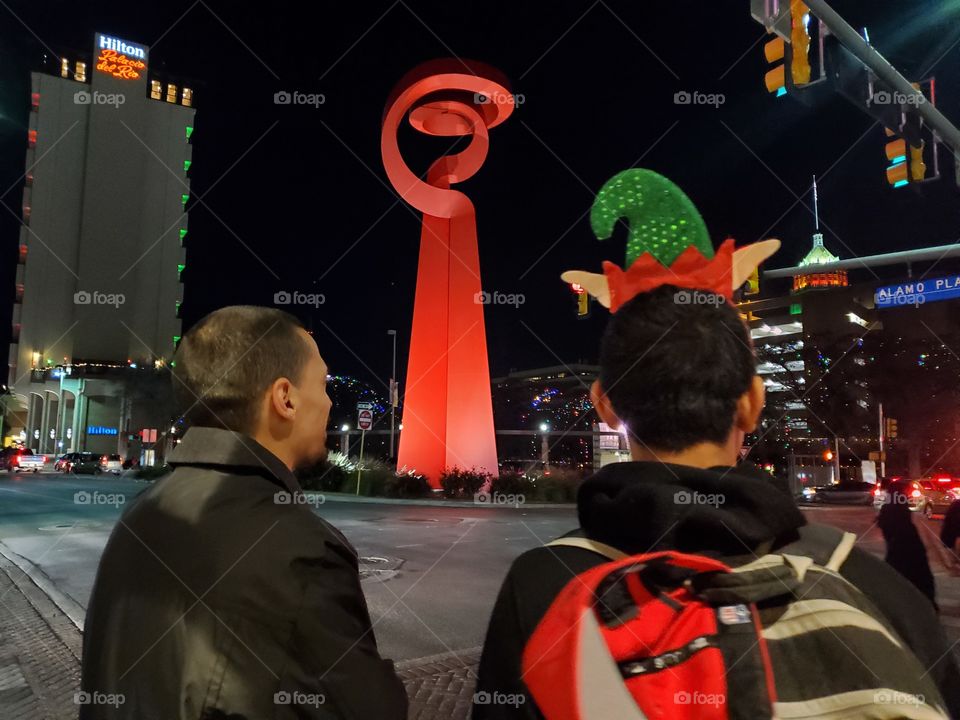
column 594, row 283
column 747, row 259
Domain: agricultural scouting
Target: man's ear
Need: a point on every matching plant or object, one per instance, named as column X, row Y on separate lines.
column 281, row 399
column 750, row 405
column 602, row 403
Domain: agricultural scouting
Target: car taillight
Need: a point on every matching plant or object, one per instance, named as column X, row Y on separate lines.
column 944, row 479
column 916, row 493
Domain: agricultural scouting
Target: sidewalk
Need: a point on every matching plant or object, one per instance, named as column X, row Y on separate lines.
column 40, row 650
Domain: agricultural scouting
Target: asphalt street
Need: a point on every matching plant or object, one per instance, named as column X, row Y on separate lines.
column 431, row 574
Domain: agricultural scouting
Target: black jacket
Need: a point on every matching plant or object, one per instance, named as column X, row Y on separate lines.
column 632, row 507
column 216, row 599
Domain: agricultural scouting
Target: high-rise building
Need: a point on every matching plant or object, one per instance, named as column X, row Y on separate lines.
column 102, row 246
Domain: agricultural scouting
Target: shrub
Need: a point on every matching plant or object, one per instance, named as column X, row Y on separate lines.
column 151, row 472
column 513, row 483
column 408, row 485
column 560, row 485
column 460, row 483
column 325, row 476
column 373, row 482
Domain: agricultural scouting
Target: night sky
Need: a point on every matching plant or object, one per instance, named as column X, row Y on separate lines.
column 295, row 197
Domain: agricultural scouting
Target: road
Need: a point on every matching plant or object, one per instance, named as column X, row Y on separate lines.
column 431, row 575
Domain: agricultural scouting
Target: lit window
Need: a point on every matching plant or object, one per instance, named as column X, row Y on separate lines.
column 189, row 131
column 80, row 74
column 184, row 198
column 171, row 93
column 34, row 101
column 22, row 258
column 183, row 235
column 64, row 67
column 156, row 89
column 32, row 138
column 186, row 166
column 187, row 97
column 180, row 269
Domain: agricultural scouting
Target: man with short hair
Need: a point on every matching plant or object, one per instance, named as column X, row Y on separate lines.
column 221, row 594
column 681, row 377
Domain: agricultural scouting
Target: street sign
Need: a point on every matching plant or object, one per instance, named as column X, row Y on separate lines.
column 364, row 416
column 918, row 292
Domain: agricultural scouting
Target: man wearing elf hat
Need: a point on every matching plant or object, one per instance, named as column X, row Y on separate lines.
column 694, row 588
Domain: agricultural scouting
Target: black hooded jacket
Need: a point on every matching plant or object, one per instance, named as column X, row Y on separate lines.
column 641, row 507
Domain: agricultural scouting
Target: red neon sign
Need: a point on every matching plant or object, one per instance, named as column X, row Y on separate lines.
column 119, row 66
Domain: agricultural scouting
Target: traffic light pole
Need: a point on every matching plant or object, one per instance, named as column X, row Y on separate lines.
column 866, row 54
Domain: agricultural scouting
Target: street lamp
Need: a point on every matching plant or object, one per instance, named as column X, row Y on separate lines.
column 544, row 446
column 393, row 391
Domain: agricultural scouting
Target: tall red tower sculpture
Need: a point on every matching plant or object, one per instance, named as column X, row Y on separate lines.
column 448, row 413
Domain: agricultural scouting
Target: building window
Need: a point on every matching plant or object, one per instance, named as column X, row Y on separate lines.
column 156, row 90
column 64, row 67
column 18, row 293
column 80, row 73
column 15, row 335
column 26, row 214
column 22, row 258
column 187, row 97
column 34, row 102
column 31, row 138
column 171, row 93
column 28, row 180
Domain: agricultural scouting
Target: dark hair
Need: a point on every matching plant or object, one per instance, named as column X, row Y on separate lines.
column 228, row 359
column 673, row 363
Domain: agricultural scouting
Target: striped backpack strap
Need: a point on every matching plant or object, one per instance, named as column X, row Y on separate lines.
column 584, row 543
column 817, row 621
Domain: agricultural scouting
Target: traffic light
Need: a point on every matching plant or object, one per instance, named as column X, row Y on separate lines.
column 775, row 79
column 753, row 283
column 796, row 56
column 828, row 455
column 891, row 428
column 583, row 300
column 898, row 173
column 799, row 42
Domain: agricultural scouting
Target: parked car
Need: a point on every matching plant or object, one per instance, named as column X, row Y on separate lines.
column 845, row 493
column 87, row 463
column 111, row 463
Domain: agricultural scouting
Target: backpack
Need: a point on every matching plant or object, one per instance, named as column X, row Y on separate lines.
column 674, row 635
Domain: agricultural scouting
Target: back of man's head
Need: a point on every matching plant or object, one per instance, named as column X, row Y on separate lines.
column 226, row 362
column 673, row 364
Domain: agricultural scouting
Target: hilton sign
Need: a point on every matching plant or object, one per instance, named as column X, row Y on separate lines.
column 119, row 58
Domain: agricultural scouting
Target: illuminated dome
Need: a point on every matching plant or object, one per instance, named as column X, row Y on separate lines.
column 818, row 254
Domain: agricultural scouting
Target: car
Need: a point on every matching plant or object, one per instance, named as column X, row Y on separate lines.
column 848, row 492
column 111, row 463
column 64, row 461
column 913, row 489
column 87, row 463
column 22, row 459
column 940, row 491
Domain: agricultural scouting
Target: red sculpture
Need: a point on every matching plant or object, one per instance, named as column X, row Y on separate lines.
column 448, row 413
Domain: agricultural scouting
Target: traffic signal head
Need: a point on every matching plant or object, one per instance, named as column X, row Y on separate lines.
column 775, row 79
column 799, row 42
column 828, row 455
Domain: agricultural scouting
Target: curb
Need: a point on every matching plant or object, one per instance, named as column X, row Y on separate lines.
column 348, row 498
column 66, row 604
